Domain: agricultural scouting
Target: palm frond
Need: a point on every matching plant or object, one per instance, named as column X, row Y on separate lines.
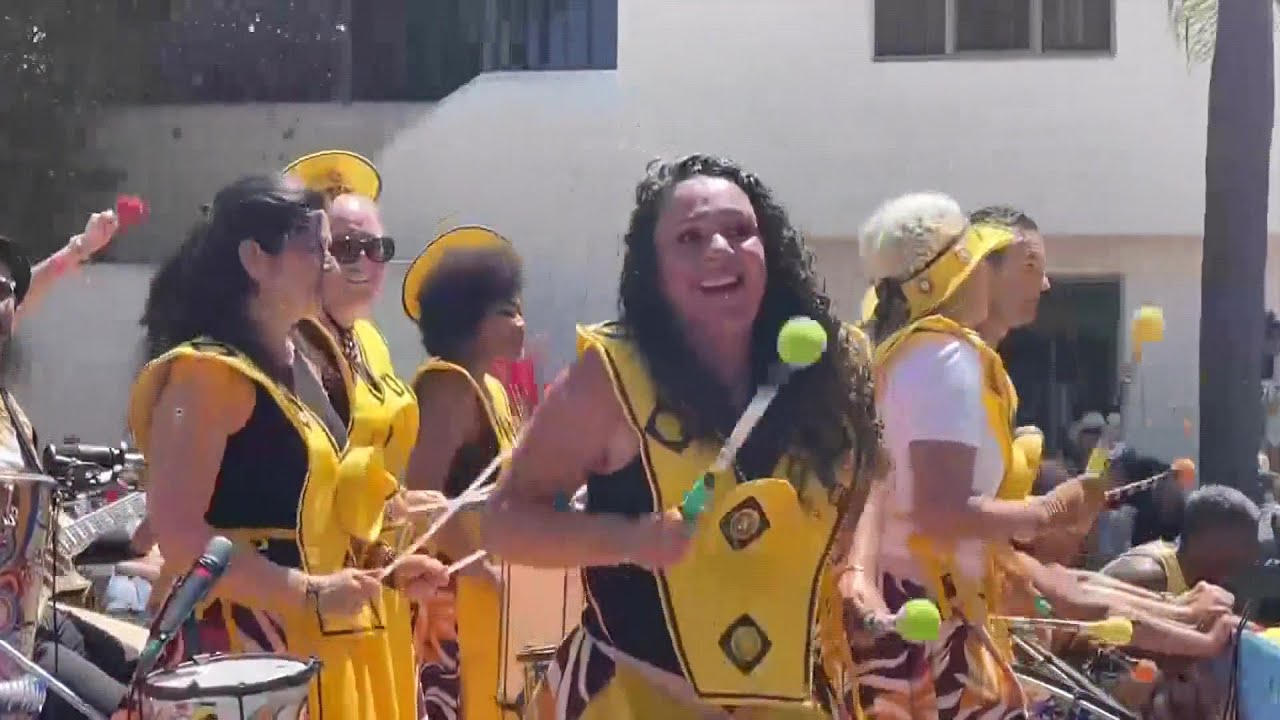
column 1195, row 24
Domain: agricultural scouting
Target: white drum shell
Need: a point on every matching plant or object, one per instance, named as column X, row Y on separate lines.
column 232, row 687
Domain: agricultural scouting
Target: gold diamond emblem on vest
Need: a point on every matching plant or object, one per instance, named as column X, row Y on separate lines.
column 744, row 523
column 745, row 644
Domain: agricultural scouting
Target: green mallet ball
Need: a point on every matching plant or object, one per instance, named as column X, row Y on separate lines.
column 919, row 621
column 801, row 342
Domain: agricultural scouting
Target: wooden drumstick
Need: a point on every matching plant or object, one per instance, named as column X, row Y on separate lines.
column 464, row 562
column 465, row 498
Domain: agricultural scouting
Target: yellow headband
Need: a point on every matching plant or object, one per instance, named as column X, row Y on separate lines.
column 467, row 237
column 934, row 285
column 337, row 172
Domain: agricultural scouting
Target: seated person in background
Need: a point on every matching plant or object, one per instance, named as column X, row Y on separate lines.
column 86, row 658
column 1083, row 436
column 1219, row 540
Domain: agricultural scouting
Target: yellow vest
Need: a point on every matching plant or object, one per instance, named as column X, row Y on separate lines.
column 481, row 623
column 323, row 540
column 1021, row 462
column 381, row 433
column 1165, row 553
column 741, row 609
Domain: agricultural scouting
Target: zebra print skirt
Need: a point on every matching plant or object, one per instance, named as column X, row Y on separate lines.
column 960, row 676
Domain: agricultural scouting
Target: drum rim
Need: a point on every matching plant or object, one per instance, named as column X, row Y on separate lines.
column 310, row 667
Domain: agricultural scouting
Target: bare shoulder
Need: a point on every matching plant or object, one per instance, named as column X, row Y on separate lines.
column 1145, row 572
column 208, row 393
column 444, row 391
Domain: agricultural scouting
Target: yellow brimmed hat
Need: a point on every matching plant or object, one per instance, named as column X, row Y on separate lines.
column 940, row 279
column 466, row 237
column 337, row 172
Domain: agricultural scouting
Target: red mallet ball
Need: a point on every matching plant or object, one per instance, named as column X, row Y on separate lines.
column 130, row 210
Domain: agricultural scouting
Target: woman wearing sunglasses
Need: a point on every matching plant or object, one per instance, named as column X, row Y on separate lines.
column 240, row 442
column 379, row 411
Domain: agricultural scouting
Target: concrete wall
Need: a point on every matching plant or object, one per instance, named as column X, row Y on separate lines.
column 1107, row 153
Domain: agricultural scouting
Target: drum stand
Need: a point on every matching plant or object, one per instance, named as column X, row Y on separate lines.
column 34, row 691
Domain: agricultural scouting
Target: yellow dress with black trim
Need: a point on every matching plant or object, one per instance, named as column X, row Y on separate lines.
column 381, row 433
column 740, row 611
column 1021, row 454
column 316, row 527
column 478, row 606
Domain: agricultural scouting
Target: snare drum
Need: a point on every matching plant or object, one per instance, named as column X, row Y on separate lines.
column 231, row 687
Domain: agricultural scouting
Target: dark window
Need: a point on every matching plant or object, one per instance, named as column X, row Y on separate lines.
column 911, row 27
column 993, row 25
column 318, row 50
column 932, row 28
column 1077, row 25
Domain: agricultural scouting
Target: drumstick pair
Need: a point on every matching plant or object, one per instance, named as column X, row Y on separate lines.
column 475, row 494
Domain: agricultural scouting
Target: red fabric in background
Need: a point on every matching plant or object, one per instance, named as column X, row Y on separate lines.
column 521, row 380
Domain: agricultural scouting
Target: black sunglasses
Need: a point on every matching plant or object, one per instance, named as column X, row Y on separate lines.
column 8, row 288
column 347, row 248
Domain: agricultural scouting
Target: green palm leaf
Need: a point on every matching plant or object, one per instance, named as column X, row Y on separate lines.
column 1195, row 23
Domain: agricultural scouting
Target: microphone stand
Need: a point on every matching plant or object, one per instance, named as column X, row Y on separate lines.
column 54, row 684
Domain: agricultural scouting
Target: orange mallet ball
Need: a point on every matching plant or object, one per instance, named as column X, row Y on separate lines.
column 1144, row 671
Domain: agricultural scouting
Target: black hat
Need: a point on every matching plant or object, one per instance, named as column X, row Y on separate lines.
column 12, row 255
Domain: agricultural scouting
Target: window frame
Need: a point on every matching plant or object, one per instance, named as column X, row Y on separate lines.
column 1035, row 28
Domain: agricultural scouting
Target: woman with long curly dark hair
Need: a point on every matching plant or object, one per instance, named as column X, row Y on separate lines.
column 241, row 442
column 686, row 620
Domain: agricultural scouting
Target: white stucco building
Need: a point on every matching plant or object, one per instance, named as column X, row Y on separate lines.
column 1104, row 148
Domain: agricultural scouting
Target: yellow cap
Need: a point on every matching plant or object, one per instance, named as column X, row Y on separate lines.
column 938, row 282
column 466, row 237
column 337, row 172
column 926, row 291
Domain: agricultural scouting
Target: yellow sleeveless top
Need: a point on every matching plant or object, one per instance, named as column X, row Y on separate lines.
column 322, row 531
column 481, row 623
column 1165, row 553
column 381, row 432
column 741, row 609
column 1021, row 462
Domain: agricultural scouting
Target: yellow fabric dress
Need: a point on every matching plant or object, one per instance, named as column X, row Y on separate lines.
column 279, row 492
column 480, row 628
column 734, row 625
column 381, row 432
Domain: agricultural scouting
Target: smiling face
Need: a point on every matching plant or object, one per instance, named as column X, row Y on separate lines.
column 355, row 220
column 710, row 255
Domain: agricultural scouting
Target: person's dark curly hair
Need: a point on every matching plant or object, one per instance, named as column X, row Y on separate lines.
column 203, row 290
column 826, row 411
column 461, row 292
